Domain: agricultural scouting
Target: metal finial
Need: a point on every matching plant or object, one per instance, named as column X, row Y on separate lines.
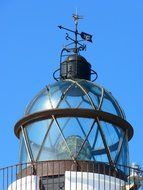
column 76, row 17
column 78, row 46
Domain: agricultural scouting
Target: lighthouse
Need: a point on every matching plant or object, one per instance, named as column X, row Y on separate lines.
column 74, row 135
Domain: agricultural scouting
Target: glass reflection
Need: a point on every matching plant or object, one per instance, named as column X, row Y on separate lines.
column 23, row 151
column 79, row 94
column 72, row 137
column 36, row 133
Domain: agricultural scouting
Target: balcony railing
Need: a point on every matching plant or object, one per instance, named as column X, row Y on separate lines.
column 67, row 175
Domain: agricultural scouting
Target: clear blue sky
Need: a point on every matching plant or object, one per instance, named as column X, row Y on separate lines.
column 30, row 43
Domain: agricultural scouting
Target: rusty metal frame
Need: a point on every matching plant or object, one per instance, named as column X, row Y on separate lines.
column 51, row 168
column 94, row 113
column 71, row 112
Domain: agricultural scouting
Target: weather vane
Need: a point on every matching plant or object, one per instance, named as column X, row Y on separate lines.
column 72, row 49
column 78, row 46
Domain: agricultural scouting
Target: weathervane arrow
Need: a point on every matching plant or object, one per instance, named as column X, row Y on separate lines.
column 61, row 27
column 84, row 36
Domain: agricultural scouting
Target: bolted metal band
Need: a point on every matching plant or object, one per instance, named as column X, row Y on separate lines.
column 72, row 112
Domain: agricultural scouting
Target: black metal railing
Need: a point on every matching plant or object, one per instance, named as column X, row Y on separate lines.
column 67, row 175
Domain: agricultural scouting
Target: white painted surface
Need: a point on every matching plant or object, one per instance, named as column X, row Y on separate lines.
column 25, row 183
column 91, row 181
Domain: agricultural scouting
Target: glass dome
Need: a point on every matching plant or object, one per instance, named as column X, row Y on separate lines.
column 74, row 138
column 75, row 94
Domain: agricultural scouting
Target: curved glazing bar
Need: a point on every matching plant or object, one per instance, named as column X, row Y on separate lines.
column 75, row 94
column 86, row 93
column 34, row 101
column 119, row 110
column 48, row 97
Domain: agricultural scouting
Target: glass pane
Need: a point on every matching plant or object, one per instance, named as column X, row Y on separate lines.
column 36, row 133
column 98, row 149
column 124, row 157
column 40, row 102
column 93, row 91
column 57, row 92
column 54, row 147
column 113, row 137
column 118, row 108
column 66, row 142
column 109, row 105
column 23, row 152
column 81, row 148
column 74, row 96
column 75, row 132
column 68, row 138
column 66, row 94
column 48, row 97
column 85, row 103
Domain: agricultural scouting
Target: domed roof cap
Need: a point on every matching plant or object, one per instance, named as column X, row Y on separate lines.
column 76, row 57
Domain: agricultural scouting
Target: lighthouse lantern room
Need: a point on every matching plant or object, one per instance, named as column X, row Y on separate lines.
column 74, row 135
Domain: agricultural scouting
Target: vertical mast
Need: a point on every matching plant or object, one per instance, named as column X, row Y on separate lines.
column 76, row 17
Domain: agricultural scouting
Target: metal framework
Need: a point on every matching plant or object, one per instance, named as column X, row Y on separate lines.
column 95, row 113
